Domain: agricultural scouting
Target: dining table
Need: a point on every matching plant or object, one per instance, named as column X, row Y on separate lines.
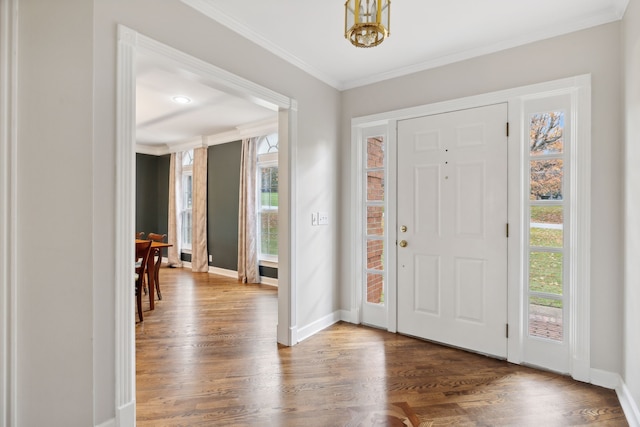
column 151, row 278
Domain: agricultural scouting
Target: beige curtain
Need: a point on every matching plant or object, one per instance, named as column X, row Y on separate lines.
column 199, row 254
column 247, row 219
column 175, row 226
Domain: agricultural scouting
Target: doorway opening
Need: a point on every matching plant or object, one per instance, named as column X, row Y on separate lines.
column 131, row 44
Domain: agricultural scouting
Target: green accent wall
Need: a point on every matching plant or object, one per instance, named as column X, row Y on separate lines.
column 223, row 183
column 152, row 193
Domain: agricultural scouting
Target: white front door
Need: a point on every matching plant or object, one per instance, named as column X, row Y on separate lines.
column 452, row 215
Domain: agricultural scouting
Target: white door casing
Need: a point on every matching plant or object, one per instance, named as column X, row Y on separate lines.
column 452, row 199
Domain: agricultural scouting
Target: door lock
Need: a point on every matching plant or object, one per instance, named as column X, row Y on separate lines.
column 403, row 243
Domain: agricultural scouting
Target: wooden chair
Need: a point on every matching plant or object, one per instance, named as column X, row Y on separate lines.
column 157, row 254
column 143, row 249
column 139, row 235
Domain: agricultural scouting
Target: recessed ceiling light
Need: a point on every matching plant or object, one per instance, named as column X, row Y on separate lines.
column 181, row 99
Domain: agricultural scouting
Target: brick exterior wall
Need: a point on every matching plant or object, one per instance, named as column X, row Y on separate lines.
column 375, row 220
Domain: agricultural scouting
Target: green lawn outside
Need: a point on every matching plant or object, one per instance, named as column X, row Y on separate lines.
column 547, row 214
column 269, row 199
column 545, row 268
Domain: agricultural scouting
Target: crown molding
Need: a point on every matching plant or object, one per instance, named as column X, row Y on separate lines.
column 208, row 8
column 612, row 14
column 260, row 128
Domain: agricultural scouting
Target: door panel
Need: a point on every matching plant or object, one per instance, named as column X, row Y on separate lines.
column 452, row 198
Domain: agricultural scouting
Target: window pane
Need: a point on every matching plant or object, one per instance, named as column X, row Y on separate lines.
column 545, row 272
column 187, row 158
column 268, row 144
column 375, row 255
column 545, row 318
column 375, row 186
column 546, row 179
column 545, row 133
column 375, row 220
column 375, row 288
column 187, row 191
column 269, row 187
column 546, row 226
column 375, row 152
column 269, row 233
column 186, row 228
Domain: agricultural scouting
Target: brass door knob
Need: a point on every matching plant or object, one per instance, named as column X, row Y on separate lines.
column 403, row 243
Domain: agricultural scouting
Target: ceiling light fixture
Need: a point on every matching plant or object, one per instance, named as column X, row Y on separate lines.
column 366, row 22
column 181, row 99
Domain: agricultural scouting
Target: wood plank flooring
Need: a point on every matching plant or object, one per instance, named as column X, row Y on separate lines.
column 207, row 356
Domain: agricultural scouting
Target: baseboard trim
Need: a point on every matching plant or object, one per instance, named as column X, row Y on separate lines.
column 234, row 274
column 108, row 423
column 320, row 324
column 349, row 316
column 126, row 415
column 605, row 379
column 629, row 405
column 613, row 381
column 269, row 281
column 223, row 272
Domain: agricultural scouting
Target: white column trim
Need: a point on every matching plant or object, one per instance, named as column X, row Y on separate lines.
column 580, row 211
column 8, row 212
column 130, row 44
column 287, row 329
column 125, row 227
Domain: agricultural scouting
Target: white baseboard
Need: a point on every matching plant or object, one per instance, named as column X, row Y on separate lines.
column 234, row 274
column 349, row 316
column 629, row 405
column 125, row 416
column 270, row 281
column 315, row 327
column 287, row 335
column 605, row 379
column 223, row 272
column 108, row 423
column 613, row 381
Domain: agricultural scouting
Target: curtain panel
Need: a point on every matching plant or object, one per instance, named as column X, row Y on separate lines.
column 199, row 253
column 175, row 205
column 248, row 271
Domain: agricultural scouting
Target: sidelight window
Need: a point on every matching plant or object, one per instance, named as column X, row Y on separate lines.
column 547, row 213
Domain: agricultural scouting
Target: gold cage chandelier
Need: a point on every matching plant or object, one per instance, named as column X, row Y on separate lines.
column 366, row 22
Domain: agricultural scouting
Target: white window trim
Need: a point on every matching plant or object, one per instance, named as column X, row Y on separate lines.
column 579, row 88
column 358, row 236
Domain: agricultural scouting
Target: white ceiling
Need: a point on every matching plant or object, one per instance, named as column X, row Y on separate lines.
column 424, row 33
column 161, row 122
column 310, row 35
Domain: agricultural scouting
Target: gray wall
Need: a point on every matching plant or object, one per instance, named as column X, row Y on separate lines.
column 55, row 198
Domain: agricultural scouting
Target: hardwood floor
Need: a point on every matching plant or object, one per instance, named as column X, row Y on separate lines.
column 207, row 356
